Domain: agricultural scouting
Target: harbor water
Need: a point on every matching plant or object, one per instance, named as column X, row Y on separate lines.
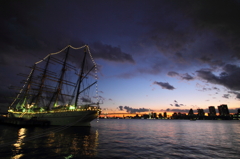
column 125, row 138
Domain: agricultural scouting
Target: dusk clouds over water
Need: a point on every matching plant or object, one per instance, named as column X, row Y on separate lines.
column 149, row 52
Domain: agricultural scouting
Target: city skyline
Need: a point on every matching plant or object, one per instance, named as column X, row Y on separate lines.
column 158, row 55
column 132, row 111
column 221, row 113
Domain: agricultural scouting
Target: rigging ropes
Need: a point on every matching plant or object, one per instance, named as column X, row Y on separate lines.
column 75, row 48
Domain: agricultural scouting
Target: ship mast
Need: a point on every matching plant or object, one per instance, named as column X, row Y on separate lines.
column 81, row 76
column 42, row 82
column 60, row 82
column 26, row 94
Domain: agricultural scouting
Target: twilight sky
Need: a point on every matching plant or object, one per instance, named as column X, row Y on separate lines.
column 152, row 54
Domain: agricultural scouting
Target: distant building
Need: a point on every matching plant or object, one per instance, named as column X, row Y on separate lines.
column 212, row 111
column 200, row 112
column 154, row 115
column 174, row 115
column 165, row 114
column 145, row 116
column 137, row 116
column 190, row 113
column 160, row 115
column 236, row 116
column 223, row 110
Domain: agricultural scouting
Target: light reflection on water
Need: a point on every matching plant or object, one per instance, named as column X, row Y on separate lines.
column 169, row 139
column 110, row 138
column 69, row 143
column 19, row 143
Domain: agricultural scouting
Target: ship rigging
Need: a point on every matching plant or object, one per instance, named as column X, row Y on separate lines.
column 60, row 86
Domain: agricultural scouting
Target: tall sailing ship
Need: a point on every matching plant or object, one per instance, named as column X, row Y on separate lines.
column 58, row 91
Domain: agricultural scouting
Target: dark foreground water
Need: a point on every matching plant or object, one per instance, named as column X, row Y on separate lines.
column 125, row 138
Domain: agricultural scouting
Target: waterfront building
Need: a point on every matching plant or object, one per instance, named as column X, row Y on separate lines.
column 145, row 116
column 154, row 115
column 212, row 111
column 236, row 116
column 190, row 113
column 201, row 112
column 223, row 110
column 174, row 115
column 165, row 114
column 160, row 115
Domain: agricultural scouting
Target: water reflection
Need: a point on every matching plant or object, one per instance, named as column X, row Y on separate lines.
column 18, row 145
column 127, row 139
column 73, row 142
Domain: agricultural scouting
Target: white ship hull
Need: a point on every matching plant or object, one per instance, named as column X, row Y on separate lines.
column 67, row 117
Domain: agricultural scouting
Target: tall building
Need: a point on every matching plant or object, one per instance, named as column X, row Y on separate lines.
column 160, row 115
column 190, row 113
column 200, row 112
column 165, row 114
column 212, row 111
column 154, row 115
column 223, row 110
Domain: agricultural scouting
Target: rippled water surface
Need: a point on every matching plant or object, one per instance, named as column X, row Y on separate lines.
column 125, row 138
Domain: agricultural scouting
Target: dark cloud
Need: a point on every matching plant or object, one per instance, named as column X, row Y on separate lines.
column 110, row 53
column 36, row 27
column 221, row 17
column 177, row 110
column 180, row 36
column 172, row 74
column 187, row 34
column 211, row 62
column 205, row 58
column 235, row 93
column 215, row 88
column 121, row 108
column 238, row 96
column 185, row 76
column 228, row 78
column 226, row 96
column 133, row 110
column 85, row 99
column 164, row 85
column 176, row 104
column 167, row 27
column 153, row 69
column 175, row 33
column 206, row 87
column 17, row 18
